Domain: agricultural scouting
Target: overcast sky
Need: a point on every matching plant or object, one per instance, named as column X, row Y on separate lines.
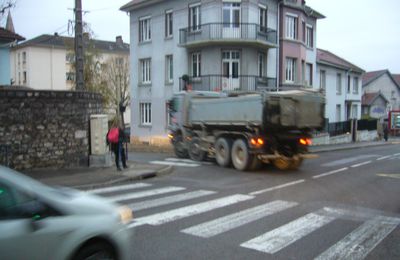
column 364, row 32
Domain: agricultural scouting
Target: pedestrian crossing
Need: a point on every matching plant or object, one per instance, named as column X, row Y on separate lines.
column 370, row 231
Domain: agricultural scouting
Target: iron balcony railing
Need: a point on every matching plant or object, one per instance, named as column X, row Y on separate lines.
column 227, row 31
column 222, row 83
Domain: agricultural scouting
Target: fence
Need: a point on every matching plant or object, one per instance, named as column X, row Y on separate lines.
column 367, row 124
column 339, row 128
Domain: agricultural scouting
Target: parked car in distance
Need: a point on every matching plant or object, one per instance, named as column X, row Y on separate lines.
column 41, row 222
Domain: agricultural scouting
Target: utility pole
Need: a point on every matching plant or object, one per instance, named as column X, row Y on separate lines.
column 79, row 53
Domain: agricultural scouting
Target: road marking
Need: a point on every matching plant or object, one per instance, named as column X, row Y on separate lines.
column 175, row 214
column 143, row 194
column 169, row 200
column 119, row 188
column 279, row 238
column 360, row 164
column 176, row 163
column 359, row 243
column 330, row 173
column 396, row 154
column 396, row 176
column 349, row 160
column 384, row 157
column 277, row 187
column 226, row 223
column 180, row 160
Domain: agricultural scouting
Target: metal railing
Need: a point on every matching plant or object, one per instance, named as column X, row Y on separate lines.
column 5, row 155
column 339, row 128
column 222, row 83
column 227, row 31
column 367, row 124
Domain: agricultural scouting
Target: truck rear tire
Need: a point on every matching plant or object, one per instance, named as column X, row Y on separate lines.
column 283, row 163
column 296, row 163
column 241, row 158
column 223, row 151
column 195, row 151
column 179, row 147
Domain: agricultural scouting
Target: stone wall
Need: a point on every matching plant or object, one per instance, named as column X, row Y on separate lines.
column 47, row 128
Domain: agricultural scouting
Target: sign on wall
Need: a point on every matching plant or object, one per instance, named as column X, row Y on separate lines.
column 394, row 120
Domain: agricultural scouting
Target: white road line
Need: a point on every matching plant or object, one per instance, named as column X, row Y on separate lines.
column 349, row 160
column 143, row 194
column 277, row 187
column 226, row 223
column 330, row 173
column 384, row 157
column 359, row 243
column 175, row 214
column 360, row 164
column 279, row 238
column 180, row 160
column 396, row 154
column 119, row 188
column 176, row 163
column 170, row 199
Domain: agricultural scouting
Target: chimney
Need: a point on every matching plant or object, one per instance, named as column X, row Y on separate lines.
column 119, row 40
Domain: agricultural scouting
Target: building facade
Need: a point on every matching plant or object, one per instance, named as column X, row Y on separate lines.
column 201, row 45
column 374, row 105
column 340, row 80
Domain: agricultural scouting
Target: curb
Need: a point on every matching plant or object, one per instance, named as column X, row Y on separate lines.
column 327, row 149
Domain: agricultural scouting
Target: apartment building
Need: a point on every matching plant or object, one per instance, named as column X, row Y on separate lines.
column 297, row 45
column 340, row 80
column 202, row 45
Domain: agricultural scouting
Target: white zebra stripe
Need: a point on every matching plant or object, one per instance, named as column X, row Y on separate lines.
column 277, row 187
column 223, row 224
column 119, row 188
column 175, row 163
column 143, row 194
column 359, row 243
column 279, row 238
column 175, row 214
column 170, row 199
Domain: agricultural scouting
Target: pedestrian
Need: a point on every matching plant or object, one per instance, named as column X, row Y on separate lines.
column 385, row 132
column 116, row 139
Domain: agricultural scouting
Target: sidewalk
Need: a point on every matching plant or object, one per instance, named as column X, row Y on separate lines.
column 90, row 178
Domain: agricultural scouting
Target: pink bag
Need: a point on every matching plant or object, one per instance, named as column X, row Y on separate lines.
column 113, row 135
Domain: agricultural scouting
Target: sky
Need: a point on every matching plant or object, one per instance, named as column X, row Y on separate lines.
column 364, row 32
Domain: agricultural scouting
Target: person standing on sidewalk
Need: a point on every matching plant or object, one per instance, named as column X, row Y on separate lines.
column 116, row 138
column 385, row 132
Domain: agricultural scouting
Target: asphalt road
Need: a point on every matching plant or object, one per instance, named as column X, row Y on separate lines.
column 342, row 205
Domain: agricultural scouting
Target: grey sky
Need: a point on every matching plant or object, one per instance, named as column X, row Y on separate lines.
column 364, row 32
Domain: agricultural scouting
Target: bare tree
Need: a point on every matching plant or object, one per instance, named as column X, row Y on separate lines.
column 6, row 5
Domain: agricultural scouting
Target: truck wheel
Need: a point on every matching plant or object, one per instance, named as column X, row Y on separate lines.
column 195, row 151
column 241, row 158
column 223, row 151
column 282, row 163
column 255, row 164
column 296, row 163
column 179, row 147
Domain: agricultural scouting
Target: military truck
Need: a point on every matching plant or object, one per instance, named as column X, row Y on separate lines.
column 246, row 129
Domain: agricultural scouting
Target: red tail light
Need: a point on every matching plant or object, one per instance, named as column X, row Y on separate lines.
column 305, row 141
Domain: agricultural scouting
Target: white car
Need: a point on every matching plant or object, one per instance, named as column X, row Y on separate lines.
column 41, row 222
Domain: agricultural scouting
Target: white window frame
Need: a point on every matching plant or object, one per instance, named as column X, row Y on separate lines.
column 355, row 85
column 195, row 17
column 290, row 72
column 196, row 61
column 338, row 83
column 354, row 111
column 169, row 69
column 291, row 26
column 348, row 84
column 309, row 36
column 145, row 113
column 322, row 79
column 309, row 74
column 145, row 71
column 169, row 24
column 263, row 18
column 261, row 64
column 145, row 29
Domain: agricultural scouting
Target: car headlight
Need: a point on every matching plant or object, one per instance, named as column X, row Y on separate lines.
column 125, row 214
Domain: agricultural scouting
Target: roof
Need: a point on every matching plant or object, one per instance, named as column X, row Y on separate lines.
column 135, row 4
column 56, row 40
column 373, row 75
column 330, row 59
column 369, row 98
column 6, row 35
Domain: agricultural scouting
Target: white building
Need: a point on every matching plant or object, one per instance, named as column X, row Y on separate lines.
column 341, row 82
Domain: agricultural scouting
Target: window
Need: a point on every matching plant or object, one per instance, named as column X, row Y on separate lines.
column 348, row 84
column 24, row 79
column 24, row 57
column 169, row 69
column 168, row 24
column 308, row 79
column 309, row 36
column 338, row 83
column 322, row 79
column 290, row 69
column 70, row 76
column 355, row 85
column 196, row 64
column 19, row 58
column 262, row 21
column 145, row 71
column 144, row 29
column 145, row 113
column 338, row 113
column 167, row 114
column 194, row 17
column 354, row 111
column 70, row 57
column 291, row 27
column 261, row 64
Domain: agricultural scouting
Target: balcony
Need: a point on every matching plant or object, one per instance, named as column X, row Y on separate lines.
column 221, row 83
column 247, row 34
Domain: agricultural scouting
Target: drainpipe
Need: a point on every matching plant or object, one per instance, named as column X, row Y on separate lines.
column 279, row 45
